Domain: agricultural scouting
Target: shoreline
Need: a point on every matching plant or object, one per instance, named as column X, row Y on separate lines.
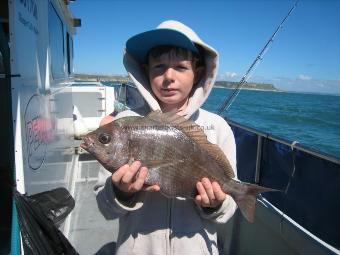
column 285, row 91
column 217, row 86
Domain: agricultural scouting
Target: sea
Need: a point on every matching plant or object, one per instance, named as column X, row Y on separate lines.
column 311, row 119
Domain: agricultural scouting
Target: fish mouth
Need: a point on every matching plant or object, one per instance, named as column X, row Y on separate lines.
column 86, row 144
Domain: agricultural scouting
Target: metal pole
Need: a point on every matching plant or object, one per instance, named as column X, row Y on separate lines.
column 258, row 158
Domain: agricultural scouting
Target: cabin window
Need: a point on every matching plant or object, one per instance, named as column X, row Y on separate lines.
column 56, row 39
column 69, row 53
column 122, row 94
column 134, row 99
column 130, row 97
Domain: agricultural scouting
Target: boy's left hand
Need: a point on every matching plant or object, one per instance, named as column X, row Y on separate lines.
column 209, row 194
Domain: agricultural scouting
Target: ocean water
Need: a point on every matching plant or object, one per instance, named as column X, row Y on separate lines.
column 311, row 119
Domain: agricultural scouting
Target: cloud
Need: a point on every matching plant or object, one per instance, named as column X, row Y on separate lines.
column 304, row 77
column 230, row 74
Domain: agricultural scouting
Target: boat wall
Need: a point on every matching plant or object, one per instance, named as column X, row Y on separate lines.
column 41, row 59
column 269, row 234
column 303, row 218
column 102, row 104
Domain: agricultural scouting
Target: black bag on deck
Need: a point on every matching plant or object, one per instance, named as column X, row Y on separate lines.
column 38, row 216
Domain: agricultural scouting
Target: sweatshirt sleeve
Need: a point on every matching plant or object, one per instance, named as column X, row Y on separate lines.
column 108, row 203
column 226, row 141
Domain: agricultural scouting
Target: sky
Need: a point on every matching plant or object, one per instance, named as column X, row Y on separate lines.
column 305, row 55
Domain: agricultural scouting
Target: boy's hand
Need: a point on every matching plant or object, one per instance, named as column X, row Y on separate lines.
column 128, row 182
column 209, row 194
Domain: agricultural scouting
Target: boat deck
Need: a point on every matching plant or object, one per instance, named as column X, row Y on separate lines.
column 89, row 232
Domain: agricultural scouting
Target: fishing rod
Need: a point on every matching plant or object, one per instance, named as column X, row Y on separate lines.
column 229, row 100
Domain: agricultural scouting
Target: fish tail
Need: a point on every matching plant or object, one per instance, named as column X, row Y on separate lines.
column 246, row 199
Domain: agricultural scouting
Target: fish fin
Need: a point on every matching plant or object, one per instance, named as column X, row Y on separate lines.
column 195, row 132
column 169, row 118
column 246, row 200
column 215, row 152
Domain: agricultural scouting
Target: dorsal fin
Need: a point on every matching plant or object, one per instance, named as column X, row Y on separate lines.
column 166, row 118
column 195, row 132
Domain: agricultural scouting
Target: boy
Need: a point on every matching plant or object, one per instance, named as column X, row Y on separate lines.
column 173, row 69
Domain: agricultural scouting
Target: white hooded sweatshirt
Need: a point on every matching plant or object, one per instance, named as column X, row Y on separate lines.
column 150, row 223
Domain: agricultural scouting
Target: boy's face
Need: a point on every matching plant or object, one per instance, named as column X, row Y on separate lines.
column 171, row 77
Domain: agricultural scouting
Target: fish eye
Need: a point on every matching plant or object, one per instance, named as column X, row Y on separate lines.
column 104, row 138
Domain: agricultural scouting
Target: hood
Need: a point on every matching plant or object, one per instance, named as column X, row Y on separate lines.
column 200, row 91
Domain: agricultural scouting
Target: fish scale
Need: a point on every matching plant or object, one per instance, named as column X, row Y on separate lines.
column 176, row 152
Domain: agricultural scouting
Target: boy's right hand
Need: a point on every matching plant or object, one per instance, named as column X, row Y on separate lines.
column 128, row 182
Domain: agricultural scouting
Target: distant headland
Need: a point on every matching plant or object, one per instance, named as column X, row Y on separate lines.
column 248, row 85
column 223, row 84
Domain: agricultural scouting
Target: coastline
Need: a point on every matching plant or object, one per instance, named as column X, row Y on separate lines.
column 248, row 85
column 283, row 91
column 272, row 90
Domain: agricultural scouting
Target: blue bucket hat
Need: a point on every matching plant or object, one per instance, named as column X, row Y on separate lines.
column 139, row 45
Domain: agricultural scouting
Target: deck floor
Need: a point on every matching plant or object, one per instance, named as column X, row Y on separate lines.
column 89, row 232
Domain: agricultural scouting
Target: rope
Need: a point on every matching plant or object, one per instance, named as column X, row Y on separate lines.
column 292, row 147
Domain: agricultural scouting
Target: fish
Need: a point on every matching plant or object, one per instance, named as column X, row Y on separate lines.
column 175, row 151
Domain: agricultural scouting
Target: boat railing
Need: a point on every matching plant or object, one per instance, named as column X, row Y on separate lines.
column 293, row 144
column 309, row 182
